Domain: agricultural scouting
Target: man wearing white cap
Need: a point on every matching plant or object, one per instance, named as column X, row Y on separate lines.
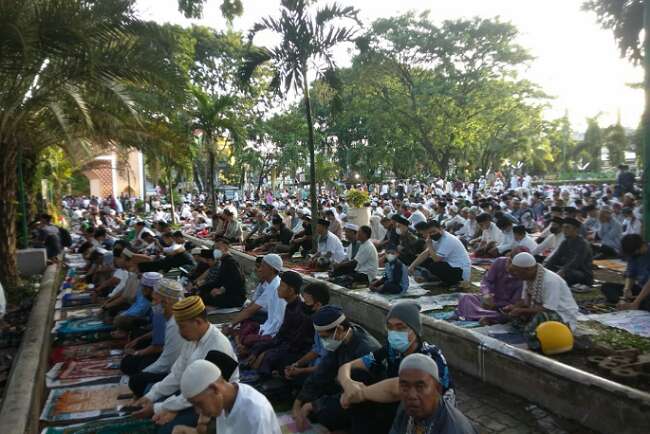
column 138, row 313
column 251, row 332
column 165, row 341
column 422, row 410
column 238, row 408
column 545, row 297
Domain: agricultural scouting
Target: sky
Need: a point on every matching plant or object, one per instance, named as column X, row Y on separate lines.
column 576, row 62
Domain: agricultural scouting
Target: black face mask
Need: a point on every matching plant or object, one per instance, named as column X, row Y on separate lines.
column 308, row 309
column 436, row 237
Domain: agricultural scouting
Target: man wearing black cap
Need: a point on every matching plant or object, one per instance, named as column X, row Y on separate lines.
column 303, row 239
column 573, row 258
column 409, row 245
column 227, row 288
column 319, row 398
column 330, row 248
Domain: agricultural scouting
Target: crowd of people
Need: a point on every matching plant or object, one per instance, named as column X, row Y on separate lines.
column 287, row 341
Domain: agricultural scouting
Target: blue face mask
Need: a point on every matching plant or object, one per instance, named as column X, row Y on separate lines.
column 398, row 340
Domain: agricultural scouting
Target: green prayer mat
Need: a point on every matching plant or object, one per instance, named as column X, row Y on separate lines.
column 106, row 426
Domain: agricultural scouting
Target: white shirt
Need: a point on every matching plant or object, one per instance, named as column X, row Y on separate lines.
column 213, row 339
column 493, row 233
column 468, row 230
column 453, row 252
column 3, row 302
column 332, row 244
column 171, row 349
column 367, row 260
column 123, row 275
column 526, row 242
column 557, row 296
column 550, row 243
column 507, row 242
column 416, row 218
column 632, row 227
column 274, row 306
column 251, row 413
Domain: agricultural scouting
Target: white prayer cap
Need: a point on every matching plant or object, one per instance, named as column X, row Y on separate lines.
column 420, row 362
column 524, row 260
column 197, row 377
column 351, row 226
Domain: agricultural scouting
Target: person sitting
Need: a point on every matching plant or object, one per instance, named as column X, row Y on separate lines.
column 631, row 224
column 124, row 294
column 545, row 297
column 138, row 313
column 315, row 296
column 335, row 226
column 319, row 398
column 228, row 288
column 396, row 275
column 572, row 260
column 252, row 332
column 491, row 236
column 499, row 288
column 150, row 357
column 231, row 227
column 609, row 234
column 279, row 240
column 175, row 256
column 421, row 410
column 302, row 240
column 522, row 239
column 391, row 237
column 161, row 402
column 404, row 325
column 362, row 267
column 507, row 241
column 445, row 256
column 551, row 242
column 409, row 245
column 330, row 249
column 295, row 336
column 237, row 407
column 636, row 290
column 258, row 232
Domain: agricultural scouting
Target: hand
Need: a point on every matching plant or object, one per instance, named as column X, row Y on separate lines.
column 131, row 344
column 508, row 308
column 217, row 291
column 488, row 303
column 411, row 269
column 182, row 429
column 353, row 393
column 517, row 311
column 164, row 417
column 300, row 416
column 147, row 408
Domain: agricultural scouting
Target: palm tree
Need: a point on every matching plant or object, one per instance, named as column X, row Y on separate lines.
column 214, row 116
column 308, row 38
column 67, row 69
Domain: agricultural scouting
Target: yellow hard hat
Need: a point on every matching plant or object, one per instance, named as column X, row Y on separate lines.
column 554, row 337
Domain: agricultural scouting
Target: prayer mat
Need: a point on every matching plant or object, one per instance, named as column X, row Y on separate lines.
column 73, row 300
column 615, row 265
column 75, row 372
column 437, row 302
column 81, row 326
column 76, row 313
column 106, row 426
column 636, row 322
column 288, row 426
column 87, row 351
column 86, row 402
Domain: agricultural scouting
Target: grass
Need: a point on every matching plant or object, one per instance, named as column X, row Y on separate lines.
column 618, row 339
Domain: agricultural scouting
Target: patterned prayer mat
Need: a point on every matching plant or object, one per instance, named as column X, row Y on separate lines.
column 74, row 299
column 86, row 351
column 611, row 264
column 86, row 402
column 76, row 313
column 75, row 372
column 106, row 426
column 288, row 426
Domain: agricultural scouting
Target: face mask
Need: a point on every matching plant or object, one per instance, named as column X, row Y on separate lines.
column 391, row 257
column 399, row 231
column 436, row 237
column 217, row 254
column 398, row 340
column 157, row 308
column 332, row 344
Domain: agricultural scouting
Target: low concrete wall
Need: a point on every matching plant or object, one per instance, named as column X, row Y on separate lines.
column 594, row 402
column 25, row 390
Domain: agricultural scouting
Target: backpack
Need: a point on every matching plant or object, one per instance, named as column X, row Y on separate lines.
column 66, row 238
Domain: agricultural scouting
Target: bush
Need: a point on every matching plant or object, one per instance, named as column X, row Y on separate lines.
column 357, row 198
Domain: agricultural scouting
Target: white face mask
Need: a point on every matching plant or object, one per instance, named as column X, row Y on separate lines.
column 217, row 254
column 399, row 231
column 391, row 257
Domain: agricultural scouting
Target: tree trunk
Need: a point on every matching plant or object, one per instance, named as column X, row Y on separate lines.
column 312, row 158
column 171, row 195
column 8, row 265
column 211, row 190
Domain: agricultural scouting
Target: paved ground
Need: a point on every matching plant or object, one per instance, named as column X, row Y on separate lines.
column 496, row 412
